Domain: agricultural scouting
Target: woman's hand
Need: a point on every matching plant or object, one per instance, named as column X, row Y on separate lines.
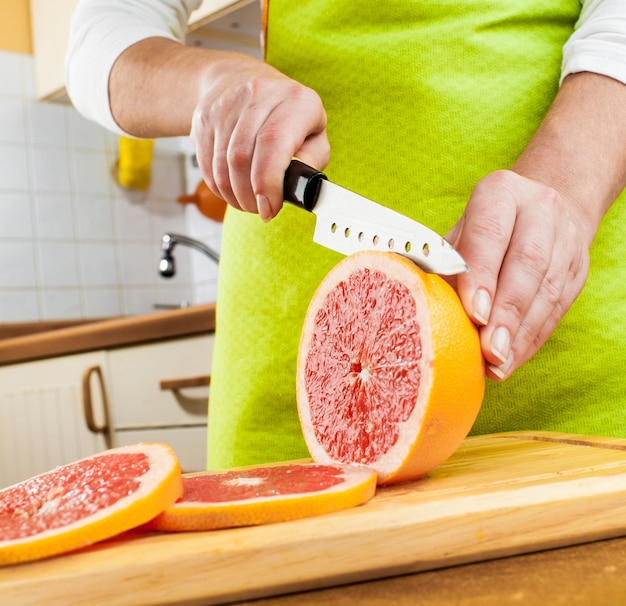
column 528, row 252
column 246, row 119
column 526, row 233
column 247, row 127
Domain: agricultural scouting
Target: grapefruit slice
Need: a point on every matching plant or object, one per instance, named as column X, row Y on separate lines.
column 390, row 372
column 87, row 501
column 266, row 494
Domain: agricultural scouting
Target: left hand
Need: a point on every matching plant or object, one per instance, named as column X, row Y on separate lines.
column 528, row 252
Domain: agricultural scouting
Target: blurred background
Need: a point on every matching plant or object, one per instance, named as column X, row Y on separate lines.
column 73, row 242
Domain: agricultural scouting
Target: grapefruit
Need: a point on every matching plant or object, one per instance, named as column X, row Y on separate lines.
column 87, row 501
column 265, row 494
column 390, row 372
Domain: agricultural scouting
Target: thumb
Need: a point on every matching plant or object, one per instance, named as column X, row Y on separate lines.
column 454, row 234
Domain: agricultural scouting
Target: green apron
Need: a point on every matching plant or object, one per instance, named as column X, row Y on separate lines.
column 423, row 99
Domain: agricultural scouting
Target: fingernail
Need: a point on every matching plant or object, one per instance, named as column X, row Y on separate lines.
column 501, row 344
column 481, row 306
column 502, row 370
column 264, row 208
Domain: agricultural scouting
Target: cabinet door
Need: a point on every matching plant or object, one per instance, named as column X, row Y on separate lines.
column 210, row 10
column 42, row 414
column 50, row 30
column 189, row 443
column 137, row 399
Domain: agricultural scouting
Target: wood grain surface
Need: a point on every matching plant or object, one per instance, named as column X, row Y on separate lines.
column 498, row 495
column 589, row 574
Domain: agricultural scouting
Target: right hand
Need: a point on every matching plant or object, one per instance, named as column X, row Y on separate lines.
column 247, row 126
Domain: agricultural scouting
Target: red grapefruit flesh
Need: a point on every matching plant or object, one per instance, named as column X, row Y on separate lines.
column 265, row 494
column 87, row 501
column 390, row 372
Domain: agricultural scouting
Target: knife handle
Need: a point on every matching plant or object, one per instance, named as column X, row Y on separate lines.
column 302, row 184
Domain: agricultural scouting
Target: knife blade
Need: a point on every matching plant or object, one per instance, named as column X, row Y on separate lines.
column 347, row 222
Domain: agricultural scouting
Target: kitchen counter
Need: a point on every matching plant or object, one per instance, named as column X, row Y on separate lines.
column 45, row 340
column 594, row 573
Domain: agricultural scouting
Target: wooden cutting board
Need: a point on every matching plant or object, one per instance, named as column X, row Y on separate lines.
column 498, row 495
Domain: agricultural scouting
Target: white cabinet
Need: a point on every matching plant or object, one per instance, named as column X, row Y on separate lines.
column 136, row 377
column 42, row 419
column 50, row 31
column 61, row 409
column 211, row 10
column 189, row 443
column 158, row 391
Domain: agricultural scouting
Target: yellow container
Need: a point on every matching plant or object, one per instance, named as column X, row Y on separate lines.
column 134, row 166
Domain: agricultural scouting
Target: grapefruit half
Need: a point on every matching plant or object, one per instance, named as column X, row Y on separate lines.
column 265, row 494
column 390, row 372
column 87, row 501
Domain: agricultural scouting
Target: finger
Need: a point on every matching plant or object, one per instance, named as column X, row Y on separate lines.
column 286, row 134
column 519, row 355
column 263, row 100
column 240, row 157
column 268, row 132
column 523, row 273
column 208, row 131
column 201, row 136
column 227, row 114
column 455, row 233
column 542, row 317
column 507, row 240
column 482, row 237
column 564, row 282
column 453, row 236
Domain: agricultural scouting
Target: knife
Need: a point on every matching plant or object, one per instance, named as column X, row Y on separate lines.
column 347, row 222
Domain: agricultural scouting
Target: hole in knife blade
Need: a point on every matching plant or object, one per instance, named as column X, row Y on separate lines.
column 390, row 244
column 333, row 228
column 361, row 236
column 346, row 232
column 407, row 247
column 425, row 249
column 375, row 240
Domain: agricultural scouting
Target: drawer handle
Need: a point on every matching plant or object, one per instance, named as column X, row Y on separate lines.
column 176, row 384
column 88, row 401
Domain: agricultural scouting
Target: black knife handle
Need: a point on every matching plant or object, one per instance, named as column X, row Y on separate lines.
column 302, row 184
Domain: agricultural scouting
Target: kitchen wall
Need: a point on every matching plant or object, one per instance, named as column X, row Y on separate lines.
column 72, row 243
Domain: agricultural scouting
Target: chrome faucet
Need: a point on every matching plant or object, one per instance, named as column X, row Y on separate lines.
column 167, row 265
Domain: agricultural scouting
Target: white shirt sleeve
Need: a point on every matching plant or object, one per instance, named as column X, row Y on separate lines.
column 599, row 42
column 100, row 31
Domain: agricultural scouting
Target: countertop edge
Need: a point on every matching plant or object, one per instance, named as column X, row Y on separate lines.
column 108, row 334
